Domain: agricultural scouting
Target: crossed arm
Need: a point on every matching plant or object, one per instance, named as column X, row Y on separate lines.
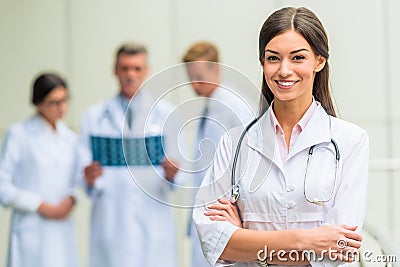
column 244, row 245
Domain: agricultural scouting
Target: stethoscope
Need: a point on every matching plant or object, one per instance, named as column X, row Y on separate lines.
column 107, row 114
column 235, row 192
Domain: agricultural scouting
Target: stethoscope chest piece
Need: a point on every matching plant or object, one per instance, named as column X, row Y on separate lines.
column 235, row 195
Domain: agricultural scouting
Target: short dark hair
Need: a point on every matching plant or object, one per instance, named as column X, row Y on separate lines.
column 130, row 49
column 44, row 84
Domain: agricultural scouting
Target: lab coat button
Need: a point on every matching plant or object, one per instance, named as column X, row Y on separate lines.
column 291, row 204
column 290, row 188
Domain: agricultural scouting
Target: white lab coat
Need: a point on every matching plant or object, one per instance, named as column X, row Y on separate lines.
column 131, row 225
column 272, row 193
column 38, row 164
column 225, row 111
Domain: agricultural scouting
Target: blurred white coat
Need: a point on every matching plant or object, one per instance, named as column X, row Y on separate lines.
column 38, row 164
column 132, row 223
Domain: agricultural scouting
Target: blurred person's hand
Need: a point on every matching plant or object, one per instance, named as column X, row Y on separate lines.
column 92, row 172
column 57, row 212
column 170, row 168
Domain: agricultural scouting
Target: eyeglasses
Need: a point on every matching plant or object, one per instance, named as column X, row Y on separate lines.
column 56, row 103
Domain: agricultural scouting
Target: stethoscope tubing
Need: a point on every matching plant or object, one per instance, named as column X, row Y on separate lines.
column 235, row 188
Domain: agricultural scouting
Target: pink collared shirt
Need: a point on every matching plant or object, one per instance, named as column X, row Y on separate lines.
column 297, row 129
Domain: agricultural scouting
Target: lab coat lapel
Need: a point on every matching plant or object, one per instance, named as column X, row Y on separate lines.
column 142, row 105
column 317, row 131
column 262, row 139
column 116, row 113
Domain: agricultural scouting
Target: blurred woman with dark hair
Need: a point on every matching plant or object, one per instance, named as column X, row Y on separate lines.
column 38, row 167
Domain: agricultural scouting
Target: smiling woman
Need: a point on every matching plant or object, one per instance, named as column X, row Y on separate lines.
column 296, row 123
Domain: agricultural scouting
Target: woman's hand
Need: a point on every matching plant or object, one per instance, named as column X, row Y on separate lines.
column 334, row 241
column 337, row 242
column 224, row 210
column 65, row 207
column 57, row 212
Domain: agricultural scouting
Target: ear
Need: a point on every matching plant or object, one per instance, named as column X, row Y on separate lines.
column 320, row 63
column 147, row 70
column 262, row 61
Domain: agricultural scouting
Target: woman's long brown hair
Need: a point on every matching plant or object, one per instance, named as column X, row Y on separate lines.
column 310, row 27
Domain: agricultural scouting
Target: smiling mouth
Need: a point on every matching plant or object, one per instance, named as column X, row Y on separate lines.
column 286, row 83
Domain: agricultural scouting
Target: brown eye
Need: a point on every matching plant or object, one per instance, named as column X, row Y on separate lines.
column 272, row 58
column 298, row 57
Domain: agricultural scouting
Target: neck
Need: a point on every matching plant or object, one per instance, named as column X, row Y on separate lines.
column 213, row 89
column 53, row 124
column 289, row 113
column 129, row 95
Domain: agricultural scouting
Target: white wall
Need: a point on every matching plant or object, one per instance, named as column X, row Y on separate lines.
column 78, row 39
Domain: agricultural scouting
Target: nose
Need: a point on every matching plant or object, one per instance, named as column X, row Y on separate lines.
column 285, row 69
column 62, row 106
column 131, row 72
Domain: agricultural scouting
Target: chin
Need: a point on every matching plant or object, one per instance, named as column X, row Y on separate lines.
column 130, row 93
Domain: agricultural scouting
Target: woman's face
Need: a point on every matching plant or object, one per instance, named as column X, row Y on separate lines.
column 54, row 106
column 290, row 66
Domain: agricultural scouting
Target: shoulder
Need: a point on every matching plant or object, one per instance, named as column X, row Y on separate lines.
column 348, row 134
column 237, row 101
column 97, row 109
column 17, row 128
column 231, row 137
column 19, row 131
column 235, row 132
column 166, row 105
column 343, row 127
column 162, row 109
column 150, row 103
column 230, row 96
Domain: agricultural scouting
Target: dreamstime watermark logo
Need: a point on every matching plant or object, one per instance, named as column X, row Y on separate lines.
column 341, row 253
column 177, row 128
column 369, row 256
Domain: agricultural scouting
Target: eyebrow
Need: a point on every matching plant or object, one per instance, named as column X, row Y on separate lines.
column 293, row 52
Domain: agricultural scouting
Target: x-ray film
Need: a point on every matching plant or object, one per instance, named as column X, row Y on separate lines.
column 140, row 151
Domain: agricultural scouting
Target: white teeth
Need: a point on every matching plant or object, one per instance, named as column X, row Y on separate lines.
column 286, row 83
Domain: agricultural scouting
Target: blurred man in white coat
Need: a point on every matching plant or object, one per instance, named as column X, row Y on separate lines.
column 130, row 224
column 224, row 109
